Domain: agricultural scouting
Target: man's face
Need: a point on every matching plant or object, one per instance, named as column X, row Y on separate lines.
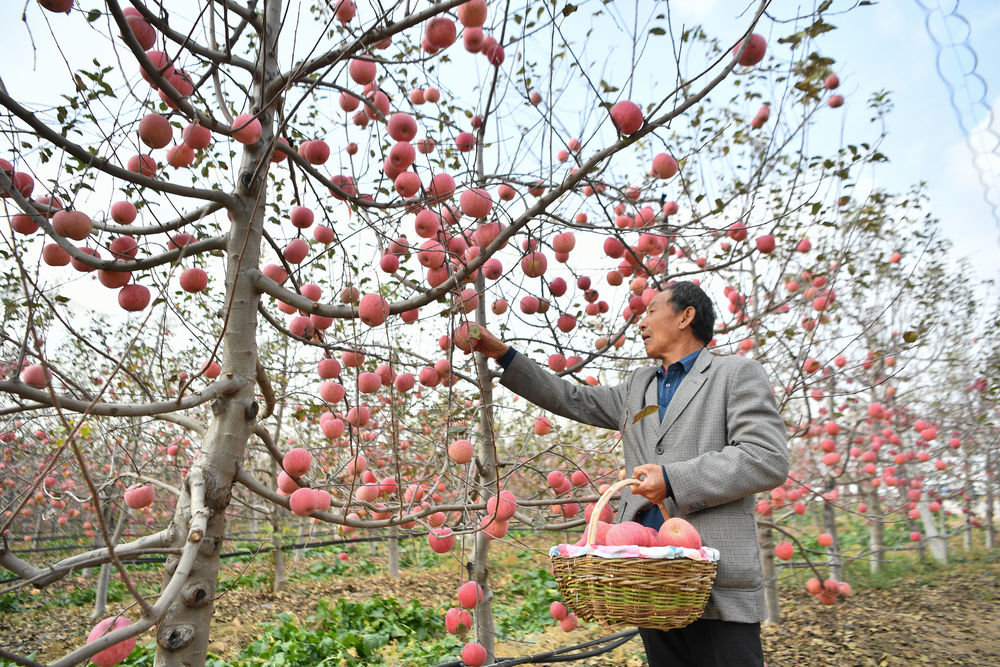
column 660, row 327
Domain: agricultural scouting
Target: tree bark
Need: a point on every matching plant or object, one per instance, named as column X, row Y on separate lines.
column 183, row 632
column 830, row 525
column 876, row 533
column 935, row 541
column 771, row 600
column 277, row 555
column 488, row 468
column 104, row 578
column 991, row 479
column 393, row 553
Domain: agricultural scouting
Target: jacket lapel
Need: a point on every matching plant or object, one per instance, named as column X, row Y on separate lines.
column 690, row 386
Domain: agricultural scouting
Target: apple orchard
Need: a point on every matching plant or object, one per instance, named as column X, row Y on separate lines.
column 296, row 211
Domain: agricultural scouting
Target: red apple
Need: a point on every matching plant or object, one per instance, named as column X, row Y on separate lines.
column 458, row 621
column 138, row 497
column 469, row 594
column 754, row 52
column 627, row 117
column 115, row 653
column 474, row 655
column 676, row 532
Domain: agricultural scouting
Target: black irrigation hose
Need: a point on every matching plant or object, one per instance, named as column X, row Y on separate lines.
column 286, row 547
column 236, row 537
column 562, row 654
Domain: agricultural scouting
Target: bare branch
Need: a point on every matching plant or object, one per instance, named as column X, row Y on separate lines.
column 227, row 386
column 39, row 577
column 186, row 43
column 183, row 219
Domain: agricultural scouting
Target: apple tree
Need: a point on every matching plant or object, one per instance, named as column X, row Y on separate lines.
column 245, row 243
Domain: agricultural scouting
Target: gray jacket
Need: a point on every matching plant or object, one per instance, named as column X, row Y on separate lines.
column 720, row 441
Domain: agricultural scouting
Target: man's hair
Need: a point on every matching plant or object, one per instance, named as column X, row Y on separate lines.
column 686, row 293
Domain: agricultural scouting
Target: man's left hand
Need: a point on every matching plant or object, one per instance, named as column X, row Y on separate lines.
column 653, row 487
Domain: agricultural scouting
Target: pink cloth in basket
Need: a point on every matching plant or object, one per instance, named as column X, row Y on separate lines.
column 603, row 551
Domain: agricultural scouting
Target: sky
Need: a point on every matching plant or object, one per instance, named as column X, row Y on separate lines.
column 893, row 50
column 888, row 46
column 882, row 47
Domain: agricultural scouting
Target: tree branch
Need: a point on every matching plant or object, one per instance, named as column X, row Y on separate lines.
column 302, row 70
column 40, row 577
column 183, row 219
column 185, row 42
column 103, row 164
column 18, row 388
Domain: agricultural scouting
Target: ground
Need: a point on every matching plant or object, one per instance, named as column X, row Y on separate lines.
column 930, row 615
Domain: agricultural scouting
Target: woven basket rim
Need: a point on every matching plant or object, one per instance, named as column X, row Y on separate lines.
column 652, row 592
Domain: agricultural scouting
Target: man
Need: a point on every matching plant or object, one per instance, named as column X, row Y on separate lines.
column 715, row 441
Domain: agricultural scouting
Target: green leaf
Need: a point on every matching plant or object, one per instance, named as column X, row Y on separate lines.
column 910, row 336
column 569, row 9
column 657, row 31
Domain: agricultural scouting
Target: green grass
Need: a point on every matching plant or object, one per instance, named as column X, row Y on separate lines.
column 86, row 595
column 341, row 633
column 538, row 589
column 893, row 571
column 10, row 602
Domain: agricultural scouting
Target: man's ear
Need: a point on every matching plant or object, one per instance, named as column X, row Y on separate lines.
column 687, row 317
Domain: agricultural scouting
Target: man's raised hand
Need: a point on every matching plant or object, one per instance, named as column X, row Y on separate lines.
column 485, row 342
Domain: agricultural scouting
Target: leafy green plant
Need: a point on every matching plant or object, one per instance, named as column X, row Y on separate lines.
column 10, row 602
column 143, row 655
column 85, row 595
column 537, row 588
column 351, row 633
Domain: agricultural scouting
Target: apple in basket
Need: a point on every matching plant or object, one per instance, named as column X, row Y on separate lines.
column 601, row 536
column 676, row 532
column 628, row 533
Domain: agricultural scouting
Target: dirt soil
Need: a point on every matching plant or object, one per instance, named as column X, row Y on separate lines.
column 949, row 617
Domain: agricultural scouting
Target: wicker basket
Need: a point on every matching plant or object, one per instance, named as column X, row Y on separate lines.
column 658, row 593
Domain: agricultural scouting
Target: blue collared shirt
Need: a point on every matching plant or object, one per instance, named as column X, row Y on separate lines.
column 668, row 380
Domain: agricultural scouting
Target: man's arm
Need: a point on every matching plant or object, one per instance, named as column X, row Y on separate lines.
column 755, row 458
column 597, row 406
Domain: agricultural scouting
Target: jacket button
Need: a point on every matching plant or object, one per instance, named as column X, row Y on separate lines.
column 659, row 449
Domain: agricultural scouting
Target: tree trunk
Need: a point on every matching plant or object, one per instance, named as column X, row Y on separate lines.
column 935, row 541
column 488, row 467
column 277, row 555
column 104, row 578
column 991, row 479
column 479, row 572
column 183, row 631
column 830, row 525
column 876, row 533
column 300, row 538
column 276, row 511
column 969, row 497
column 766, row 537
column 393, row 553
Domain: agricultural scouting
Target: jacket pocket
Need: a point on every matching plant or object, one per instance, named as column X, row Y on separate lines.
column 735, row 536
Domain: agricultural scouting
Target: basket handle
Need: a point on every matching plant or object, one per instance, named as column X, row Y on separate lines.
column 591, row 533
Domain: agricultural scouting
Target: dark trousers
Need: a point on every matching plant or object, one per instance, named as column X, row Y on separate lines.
column 705, row 643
